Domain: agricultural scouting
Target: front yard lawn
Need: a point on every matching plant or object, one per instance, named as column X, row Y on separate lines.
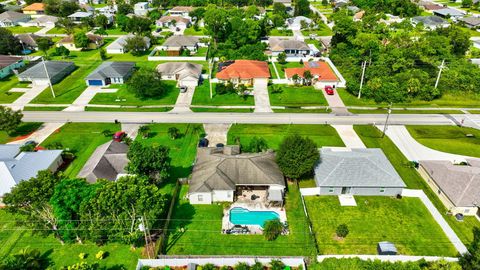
column 196, row 230
column 115, row 31
column 296, row 96
column 450, row 139
column 405, row 222
column 322, row 30
column 202, row 97
column 372, row 138
column 192, row 32
column 23, row 129
column 81, row 139
column 23, row 30
column 6, row 84
column 281, row 32
column 281, row 67
column 124, row 97
column 322, row 135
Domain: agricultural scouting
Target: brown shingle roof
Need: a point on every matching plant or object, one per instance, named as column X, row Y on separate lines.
column 7, row 60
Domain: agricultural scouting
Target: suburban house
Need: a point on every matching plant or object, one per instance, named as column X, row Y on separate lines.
column 141, row 9
column 43, row 21
column 12, row 18
column 8, row 64
column 449, row 13
column 87, row 8
column 295, row 23
column 118, row 46
column 29, row 41
column 173, row 22
column 287, row 3
column 246, row 72
column 17, row 166
column 110, row 73
column 290, row 47
column 457, row 186
column 78, row 16
column 389, row 19
column 470, row 22
column 222, row 174
column 34, row 10
column 365, row 172
column 185, row 73
column 174, row 45
column 358, row 16
column 429, row 6
column 182, row 11
column 321, row 72
column 108, row 162
column 430, row 22
column 57, row 70
column 96, row 42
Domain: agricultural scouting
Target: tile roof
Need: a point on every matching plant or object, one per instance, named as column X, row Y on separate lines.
column 355, row 168
column 45, row 19
column 7, row 60
column 111, row 70
column 35, row 7
column 319, row 70
column 245, row 69
column 29, row 39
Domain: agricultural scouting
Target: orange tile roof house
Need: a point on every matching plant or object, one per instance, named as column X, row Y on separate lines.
column 243, row 72
column 35, row 9
column 321, row 72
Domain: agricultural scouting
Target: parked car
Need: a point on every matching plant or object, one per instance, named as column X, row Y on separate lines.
column 119, row 135
column 329, row 90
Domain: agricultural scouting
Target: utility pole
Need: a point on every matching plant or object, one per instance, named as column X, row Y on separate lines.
column 440, row 73
column 386, row 120
column 210, row 63
column 143, row 228
column 364, row 66
column 48, row 77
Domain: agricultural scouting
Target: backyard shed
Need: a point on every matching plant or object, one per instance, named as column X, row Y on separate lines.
column 386, row 248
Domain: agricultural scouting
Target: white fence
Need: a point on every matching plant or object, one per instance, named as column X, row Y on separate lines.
column 388, row 258
column 310, row 191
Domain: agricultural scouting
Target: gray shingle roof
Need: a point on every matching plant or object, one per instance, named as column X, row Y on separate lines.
column 106, row 162
column 180, row 41
column 111, row 70
column 429, row 20
column 12, row 16
column 29, row 39
column 460, row 183
column 215, row 170
column 472, row 21
column 45, row 19
column 183, row 69
column 54, row 68
column 448, row 12
column 343, row 167
column 120, row 42
column 287, row 44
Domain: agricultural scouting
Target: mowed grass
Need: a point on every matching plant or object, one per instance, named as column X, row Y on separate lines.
column 202, row 97
column 405, row 222
column 6, row 84
column 322, row 135
column 371, row 137
column 125, row 97
column 15, row 237
column 202, row 231
column 281, row 67
column 23, row 30
column 450, row 139
column 23, row 129
column 296, row 96
column 81, row 139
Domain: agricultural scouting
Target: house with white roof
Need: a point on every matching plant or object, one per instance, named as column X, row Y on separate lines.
column 185, row 73
column 12, row 18
column 43, row 21
column 118, row 46
column 141, row 9
column 295, row 23
column 79, row 15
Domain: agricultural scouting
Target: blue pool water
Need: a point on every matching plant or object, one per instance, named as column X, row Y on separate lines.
column 242, row 216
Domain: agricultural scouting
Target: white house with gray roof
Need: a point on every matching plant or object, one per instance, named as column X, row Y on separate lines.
column 110, row 73
column 118, row 46
column 12, row 18
column 175, row 44
column 17, row 166
column 295, row 23
column 185, row 73
column 365, row 172
column 57, row 70
column 449, row 13
column 290, row 47
column 222, row 174
column 430, row 22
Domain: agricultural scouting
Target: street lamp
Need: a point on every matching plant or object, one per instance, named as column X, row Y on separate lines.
column 386, row 120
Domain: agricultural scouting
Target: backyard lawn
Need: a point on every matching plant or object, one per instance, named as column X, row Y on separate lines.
column 405, row 222
column 81, row 139
column 281, row 67
column 124, row 97
column 296, row 96
column 16, row 237
column 202, row 97
column 23, row 30
column 450, row 139
column 202, row 226
column 322, row 135
column 280, row 32
column 192, row 32
column 6, row 84
column 371, row 137
column 23, row 129
column 322, row 30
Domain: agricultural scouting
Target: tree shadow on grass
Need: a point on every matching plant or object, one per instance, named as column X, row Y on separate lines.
column 183, row 214
column 25, row 128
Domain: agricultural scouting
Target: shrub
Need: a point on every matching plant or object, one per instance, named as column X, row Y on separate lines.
column 173, row 132
column 208, row 266
column 342, row 230
column 82, row 255
column 107, row 133
column 256, row 145
column 100, row 255
column 27, row 147
column 277, row 265
column 272, row 229
column 242, row 266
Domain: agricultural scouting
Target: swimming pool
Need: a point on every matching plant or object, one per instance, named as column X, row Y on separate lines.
column 242, row 216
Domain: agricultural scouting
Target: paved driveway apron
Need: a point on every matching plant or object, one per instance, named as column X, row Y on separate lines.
column 262, row 101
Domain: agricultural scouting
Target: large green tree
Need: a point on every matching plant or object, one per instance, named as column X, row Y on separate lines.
column 9, row 119
column 302, row 8
column 297, row 156
column 136, row 45
column 146, row 83
column 152, row 161
column 9, row 44
column 471, row 260
column 81, row 40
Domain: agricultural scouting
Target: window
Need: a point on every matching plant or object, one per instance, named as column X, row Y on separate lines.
column 331, row 190
column 382, row 190
column 200, row 198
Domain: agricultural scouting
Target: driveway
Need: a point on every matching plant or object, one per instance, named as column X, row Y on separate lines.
column 334, row 102
column 29, row 95
column 42, row 133
column 349, row 136
column 131, row 130
column 260, row 92
column 416, row 151
column 216, row 133
column 184, row 100
column 79, row 104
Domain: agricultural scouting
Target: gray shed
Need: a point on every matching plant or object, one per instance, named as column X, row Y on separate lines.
column 386, row 248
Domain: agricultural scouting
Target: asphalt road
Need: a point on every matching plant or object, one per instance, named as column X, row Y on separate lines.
column 247, row 118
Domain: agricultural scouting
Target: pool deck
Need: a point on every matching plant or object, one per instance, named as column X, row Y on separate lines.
column 252, row 206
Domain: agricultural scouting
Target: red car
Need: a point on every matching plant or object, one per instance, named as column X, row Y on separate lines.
column 119, row 135
column 329, row 90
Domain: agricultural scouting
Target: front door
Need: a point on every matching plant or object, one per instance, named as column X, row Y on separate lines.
column 346, row 190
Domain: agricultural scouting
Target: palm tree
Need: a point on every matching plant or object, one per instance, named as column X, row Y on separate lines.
column 27, row 259
column 173, row 132
column 307, row 76
column 145, row 131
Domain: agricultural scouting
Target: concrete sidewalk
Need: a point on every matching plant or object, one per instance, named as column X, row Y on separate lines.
column 349, row 136
column 29, row 95
column 41, row 133
column 82, row 101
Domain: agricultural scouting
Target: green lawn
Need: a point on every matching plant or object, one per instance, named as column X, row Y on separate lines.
column 450, row 139
column 235, row 110
column 405, row 222
column 115, row 31
column 322, row 30
column 202, row 231
column 56, row 30
column 299, row 110
column 384, row 111
column 371, row 137
column 43, row 108
column 6, row 84
column 16, row 237
column 23, row 129
column 191, row 32
column 81, row 139
column 322, row 135
column 297, row 96
column 272, row 71
column 284, row 32
column 281, row 67
column 127, row 109
column 202, row 97
column 124, row 97
column 23, row 30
